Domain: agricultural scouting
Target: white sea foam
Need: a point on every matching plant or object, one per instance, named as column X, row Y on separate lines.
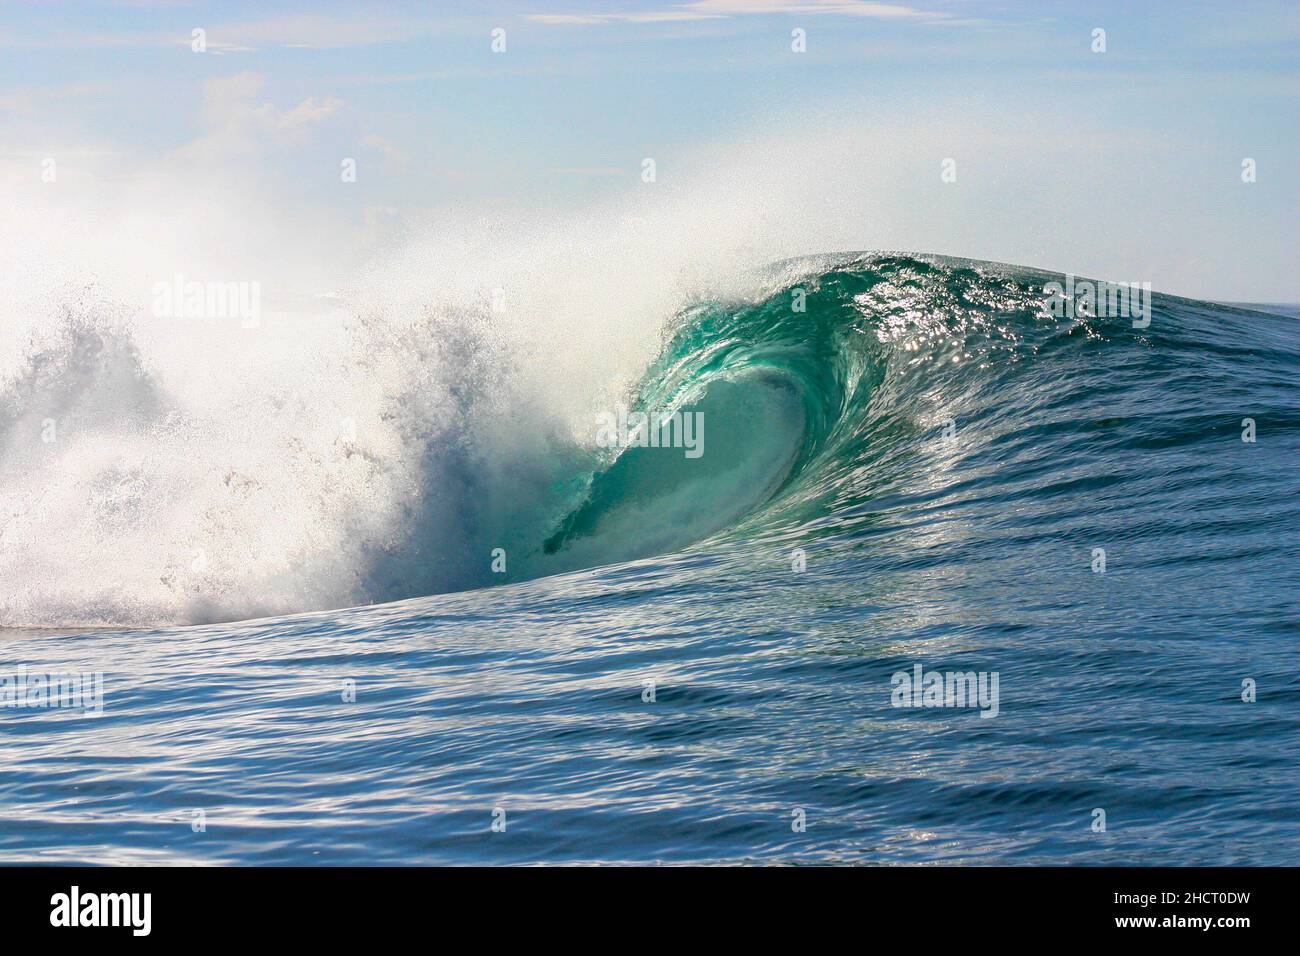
column 409, row 397
column 398, row 410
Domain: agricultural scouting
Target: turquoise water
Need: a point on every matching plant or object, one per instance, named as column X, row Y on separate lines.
column 918, row 468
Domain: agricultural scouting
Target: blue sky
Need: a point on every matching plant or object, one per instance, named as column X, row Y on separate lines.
column 1126, row 163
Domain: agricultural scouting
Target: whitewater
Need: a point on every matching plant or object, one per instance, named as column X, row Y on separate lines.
column 362, row 583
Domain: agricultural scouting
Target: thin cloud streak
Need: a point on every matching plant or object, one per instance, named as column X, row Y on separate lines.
column 723, row 9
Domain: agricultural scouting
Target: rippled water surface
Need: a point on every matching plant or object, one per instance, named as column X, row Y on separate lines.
column 678, row 675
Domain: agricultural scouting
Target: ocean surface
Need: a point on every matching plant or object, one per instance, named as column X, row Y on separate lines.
column 643, row 657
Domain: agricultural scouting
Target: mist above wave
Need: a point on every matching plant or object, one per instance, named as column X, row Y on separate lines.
column 391, row 414
column 419, row 385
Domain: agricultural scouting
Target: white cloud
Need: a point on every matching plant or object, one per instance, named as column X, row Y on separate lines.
column 248, row 36
column 237, row 123
column 394, row 155
column 717, row 9
column 855, row 8
column 311, row 110
column 577, row 19
column 322, row 32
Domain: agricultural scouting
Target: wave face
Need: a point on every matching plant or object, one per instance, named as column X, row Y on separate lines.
column 395, row 459
column 849, row 379
column 907, row 461
column 809, row 392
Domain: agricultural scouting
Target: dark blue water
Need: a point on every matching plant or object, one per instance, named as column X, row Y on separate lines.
column 955, row 461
